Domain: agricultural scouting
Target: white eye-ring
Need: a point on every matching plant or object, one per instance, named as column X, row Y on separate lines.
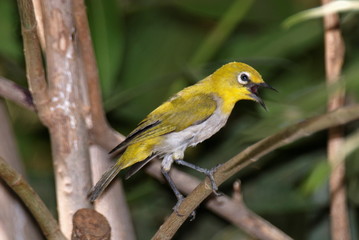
column 243, row 78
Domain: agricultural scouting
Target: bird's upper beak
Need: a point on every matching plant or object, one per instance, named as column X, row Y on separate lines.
column 253, row 89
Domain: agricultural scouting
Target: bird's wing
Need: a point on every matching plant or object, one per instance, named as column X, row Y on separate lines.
column 172, row 116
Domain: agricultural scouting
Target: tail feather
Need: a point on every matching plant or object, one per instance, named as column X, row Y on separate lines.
column 105, row 180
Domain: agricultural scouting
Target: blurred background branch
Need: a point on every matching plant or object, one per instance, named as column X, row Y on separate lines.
column 334, row 59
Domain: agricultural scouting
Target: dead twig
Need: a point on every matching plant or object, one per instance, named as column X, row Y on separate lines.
column 16, row 93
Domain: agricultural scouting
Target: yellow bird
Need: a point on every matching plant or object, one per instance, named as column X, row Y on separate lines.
column 188, row 118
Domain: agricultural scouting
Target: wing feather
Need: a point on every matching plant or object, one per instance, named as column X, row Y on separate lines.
column 172, row 116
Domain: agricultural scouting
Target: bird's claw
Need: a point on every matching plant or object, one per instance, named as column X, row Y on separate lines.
column 214, row 186
column 175, row 208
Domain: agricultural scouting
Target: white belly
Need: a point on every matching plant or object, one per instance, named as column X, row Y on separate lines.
column 175, row 143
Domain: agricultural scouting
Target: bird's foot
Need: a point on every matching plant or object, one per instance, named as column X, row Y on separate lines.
column 210, row 173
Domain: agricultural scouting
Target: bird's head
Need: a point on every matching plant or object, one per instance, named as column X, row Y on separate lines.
column 239, row 81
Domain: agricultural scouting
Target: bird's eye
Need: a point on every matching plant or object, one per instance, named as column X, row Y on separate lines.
column 243, row 78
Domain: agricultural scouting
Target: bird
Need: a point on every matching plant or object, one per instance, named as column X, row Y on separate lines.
column 184, row 120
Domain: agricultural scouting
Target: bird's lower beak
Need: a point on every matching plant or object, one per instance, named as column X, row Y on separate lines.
column 253, row 88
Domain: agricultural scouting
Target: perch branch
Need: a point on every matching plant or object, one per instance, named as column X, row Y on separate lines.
column 38, row 209
column 252, row 154
column 230, row 209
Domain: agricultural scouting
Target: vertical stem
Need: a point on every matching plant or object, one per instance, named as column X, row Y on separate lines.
column 100, row 132
column 334, row 57
column 98, row 123
column 66, row 111
column 34, row 66
column 119, row 219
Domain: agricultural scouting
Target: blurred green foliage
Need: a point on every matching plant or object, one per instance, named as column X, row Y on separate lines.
column 146, row 51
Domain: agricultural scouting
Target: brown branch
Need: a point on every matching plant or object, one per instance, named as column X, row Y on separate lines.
column 230, row 209
column 334, row 58
column 65, row 113
column 33, row 57
column 98, row 125
column 11, row 91
column 252, row 154
column 38, row 209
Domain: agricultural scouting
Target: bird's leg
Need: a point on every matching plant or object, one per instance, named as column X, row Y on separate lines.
column 179, row 196
column 208, row 172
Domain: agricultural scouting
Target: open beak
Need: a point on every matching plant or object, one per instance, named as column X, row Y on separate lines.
column 253, row 88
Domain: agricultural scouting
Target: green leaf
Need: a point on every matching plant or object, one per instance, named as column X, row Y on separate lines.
column 10, row 44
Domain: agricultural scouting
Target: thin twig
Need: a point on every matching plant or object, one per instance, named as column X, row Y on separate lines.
column 38, row 209
column 334, row 58
column 11, row 91
column 33, row 57
column 252, row 154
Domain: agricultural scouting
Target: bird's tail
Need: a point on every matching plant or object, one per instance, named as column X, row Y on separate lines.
column 105, row 180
